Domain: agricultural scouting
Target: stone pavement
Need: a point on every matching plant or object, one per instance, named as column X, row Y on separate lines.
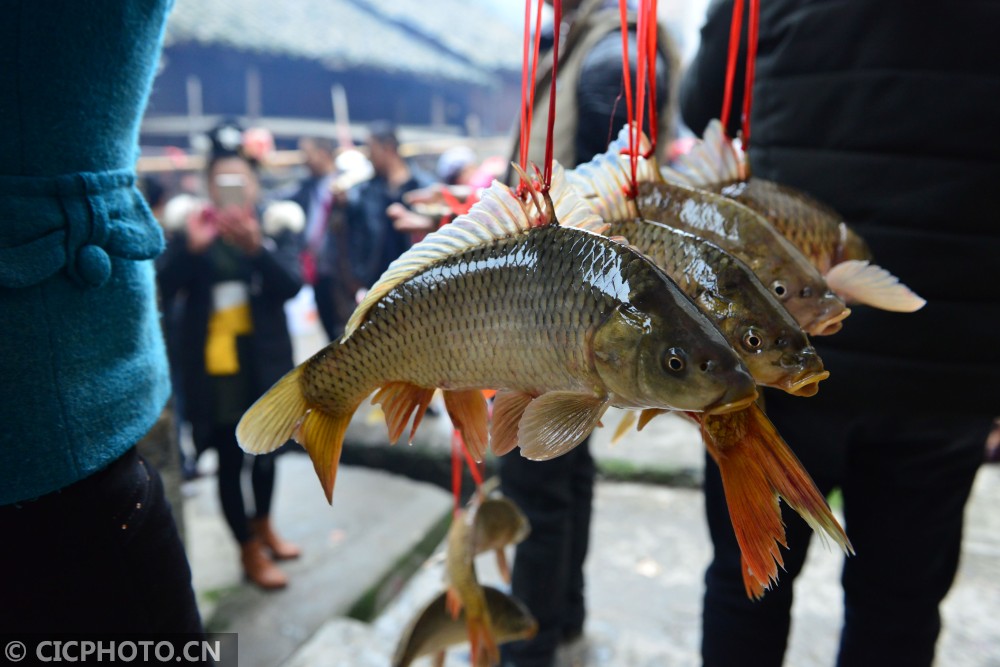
column 648, row 551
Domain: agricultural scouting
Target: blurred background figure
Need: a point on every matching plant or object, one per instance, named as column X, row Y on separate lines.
column 557, row 495
column 315, row 195
column 234, row 266
column 852, row 108
column 374, row 241
column 457, row 166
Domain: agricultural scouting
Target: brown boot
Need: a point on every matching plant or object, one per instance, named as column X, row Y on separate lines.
column 280, row 549
column 259, row 568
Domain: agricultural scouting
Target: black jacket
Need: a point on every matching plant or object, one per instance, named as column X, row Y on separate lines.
column 885, row 110
column 374, row 243
column 274, row 277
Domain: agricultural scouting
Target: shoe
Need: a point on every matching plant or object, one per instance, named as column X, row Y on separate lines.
column 279, row 548
column 258, row 568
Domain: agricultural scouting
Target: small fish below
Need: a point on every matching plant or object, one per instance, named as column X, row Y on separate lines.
column 434, row 630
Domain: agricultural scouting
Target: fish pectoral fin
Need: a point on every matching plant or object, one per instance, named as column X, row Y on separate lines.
column 467, row 410
column 437, row 660
column 647, row 415
column 624, row 426
column 508, row 408
column 322, row 436
column 857, row 281
column 453, row 602
column 399, row 401
column 557, row 421
column 756, row 468
column 274, row 417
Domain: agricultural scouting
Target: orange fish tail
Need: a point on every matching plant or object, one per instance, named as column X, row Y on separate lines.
column 757, row 467
column 283, row 413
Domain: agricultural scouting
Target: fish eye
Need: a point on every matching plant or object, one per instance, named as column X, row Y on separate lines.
column 673, row 360
column 752, row 340
column 779, row 288
column 806, row 292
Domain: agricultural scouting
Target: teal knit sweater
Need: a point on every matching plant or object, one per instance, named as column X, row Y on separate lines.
column 82, row 365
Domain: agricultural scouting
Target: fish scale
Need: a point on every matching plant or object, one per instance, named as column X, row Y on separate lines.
column 494, row 309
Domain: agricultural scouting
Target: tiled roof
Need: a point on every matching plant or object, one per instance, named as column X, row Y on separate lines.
column 452, row 39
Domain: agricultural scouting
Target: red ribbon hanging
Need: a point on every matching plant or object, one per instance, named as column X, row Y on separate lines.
column 529, row 69
column 735, row 30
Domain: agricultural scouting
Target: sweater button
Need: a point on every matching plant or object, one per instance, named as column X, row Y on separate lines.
column 93, row 265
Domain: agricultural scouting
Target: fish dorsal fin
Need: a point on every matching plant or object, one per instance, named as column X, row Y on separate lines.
column 712, row 160
column 571, row 209
column 498, row 214
column 605, row 181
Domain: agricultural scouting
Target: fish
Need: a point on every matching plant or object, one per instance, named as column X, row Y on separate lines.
column 819, row 232
column 562, row 321
column 769, row 341
column 756, row 464
column 499, row 522
column 433, row 630
column 464, row 592
column 606, row 181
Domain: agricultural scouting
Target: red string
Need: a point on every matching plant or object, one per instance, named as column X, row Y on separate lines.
column 752, row 30
column 528, row 73
column 627, row 76
column 557, row 18
column 735, row 28
column 456, row 470
column 650, row 7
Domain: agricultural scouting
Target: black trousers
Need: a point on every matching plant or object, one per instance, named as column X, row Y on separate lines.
column 905, row 482
column 101, row 555
column 556, row 496
column 230, row 477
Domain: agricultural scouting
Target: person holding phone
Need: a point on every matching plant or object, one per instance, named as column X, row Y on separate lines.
column 234, row 266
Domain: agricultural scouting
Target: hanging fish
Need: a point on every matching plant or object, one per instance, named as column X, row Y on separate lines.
column 835, row 249
column 563, row 321
column 433, row 630
column 606, row 180
column 499, row 523
column 756, row 464
column 764, row 334
column 465, row 594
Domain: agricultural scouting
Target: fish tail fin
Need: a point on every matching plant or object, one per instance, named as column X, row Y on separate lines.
column 858, row 281
column 757, row 467
column 284, row 413
column 322, row 436
column 712, row 160
column 274, row 417
column 755, row 590
column 482, row 642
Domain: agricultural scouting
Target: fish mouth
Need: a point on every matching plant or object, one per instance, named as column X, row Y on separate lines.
column 731, row 406
column 806, row 385
column 830, row 325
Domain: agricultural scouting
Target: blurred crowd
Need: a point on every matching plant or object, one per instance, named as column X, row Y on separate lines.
column 243, row 239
